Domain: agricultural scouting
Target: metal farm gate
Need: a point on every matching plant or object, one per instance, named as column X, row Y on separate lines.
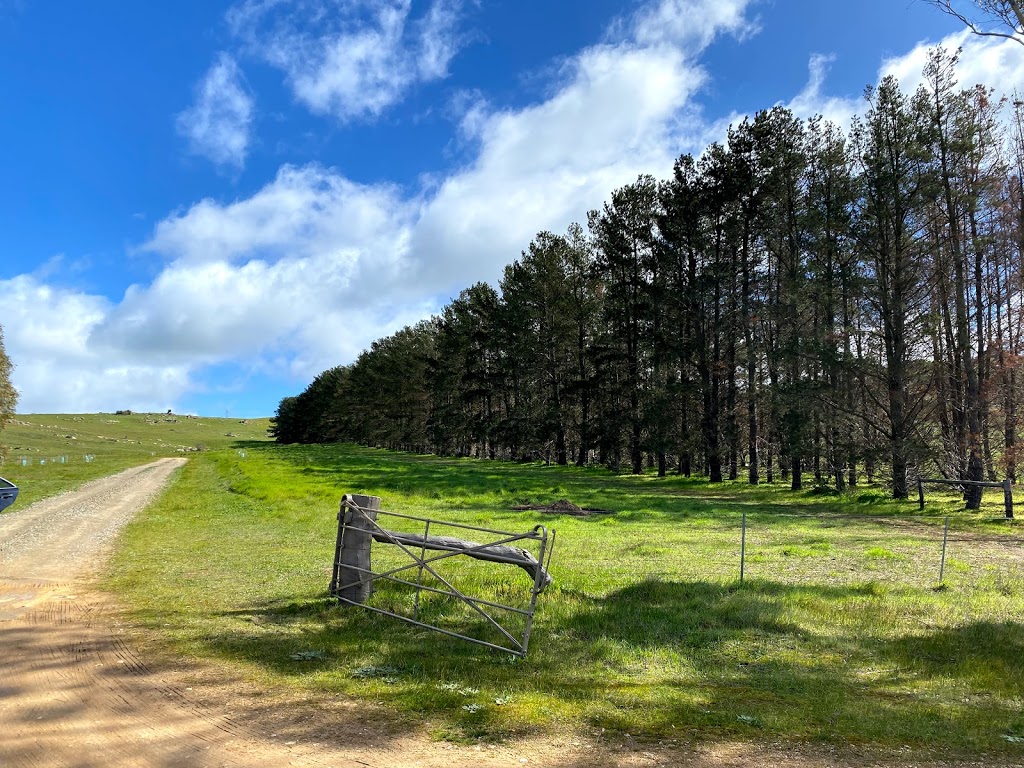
column 418, row 565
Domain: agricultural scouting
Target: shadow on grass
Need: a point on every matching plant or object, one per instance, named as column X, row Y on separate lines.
column 495, row 486
column 988, row 654
column 696, row 660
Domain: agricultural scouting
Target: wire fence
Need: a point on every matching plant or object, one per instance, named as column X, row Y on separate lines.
column 919, row 551
column 42, row 461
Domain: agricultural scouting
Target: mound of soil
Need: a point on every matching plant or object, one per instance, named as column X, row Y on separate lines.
column 564, row 505
column 561, row 507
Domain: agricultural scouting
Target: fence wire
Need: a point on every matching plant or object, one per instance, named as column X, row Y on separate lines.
column 917, row 551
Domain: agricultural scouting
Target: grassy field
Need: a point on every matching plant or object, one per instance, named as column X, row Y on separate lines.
column 50, row 453
column 840, row 633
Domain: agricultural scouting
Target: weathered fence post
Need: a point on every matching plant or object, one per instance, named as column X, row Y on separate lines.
column 743, row 544
column 352, row 552
column 920, row 493
column 945, row 538
column 1008, row 498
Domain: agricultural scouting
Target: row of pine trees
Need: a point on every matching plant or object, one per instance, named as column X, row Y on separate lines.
column 797, row 302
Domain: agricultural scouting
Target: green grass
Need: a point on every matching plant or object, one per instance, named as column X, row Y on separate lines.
column 50, row 453
column 838, row 635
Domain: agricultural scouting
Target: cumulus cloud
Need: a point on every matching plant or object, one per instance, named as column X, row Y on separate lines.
column 217, row 125
column 215, row 311
column 313, row 267
column 47, row 333
column 988, row 60
column 623, row 108
column 616, row 114
column 544, row 166
column 311, row 252
column 283, row 269
column 996, row 62
column 302, row 212
column 350, row 59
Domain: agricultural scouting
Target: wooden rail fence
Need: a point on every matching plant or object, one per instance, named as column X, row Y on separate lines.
column 1006, row 485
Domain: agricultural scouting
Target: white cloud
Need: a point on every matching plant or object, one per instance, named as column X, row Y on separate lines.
column 302, row 212
column 75, row 352
column 691, row 25
column 996, row 62
column 544, row 166
column 264, row 272
column 813, row 101
column 437, row 41
column 46, row 336
column 351, row 60
column 987, row 60
column 217, row 125
column 257, row 274
column 622, row 109
column 313, row 267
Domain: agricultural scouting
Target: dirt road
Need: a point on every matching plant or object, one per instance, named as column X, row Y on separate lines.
column 76, row 693
column 72, row 690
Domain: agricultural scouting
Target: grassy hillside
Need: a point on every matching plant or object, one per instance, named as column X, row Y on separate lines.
column 50, row 453
column 840, row 633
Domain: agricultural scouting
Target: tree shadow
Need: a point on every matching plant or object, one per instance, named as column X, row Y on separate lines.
column 989, row 656
column 693, row 660
column 461, row 482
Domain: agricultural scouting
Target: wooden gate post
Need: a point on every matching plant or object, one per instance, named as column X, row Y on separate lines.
column 352, row 552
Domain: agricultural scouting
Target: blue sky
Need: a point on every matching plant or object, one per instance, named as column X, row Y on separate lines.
column 204, row 204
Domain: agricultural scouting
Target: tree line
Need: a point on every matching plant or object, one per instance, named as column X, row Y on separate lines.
column 797, row 302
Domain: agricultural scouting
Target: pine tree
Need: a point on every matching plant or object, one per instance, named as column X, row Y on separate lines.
column 893, row 165
column 624, row 237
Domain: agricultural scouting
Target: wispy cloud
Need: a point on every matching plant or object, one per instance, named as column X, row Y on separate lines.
column 352, row 60
column 218, row 124
column 813, row 100
column 691, row 25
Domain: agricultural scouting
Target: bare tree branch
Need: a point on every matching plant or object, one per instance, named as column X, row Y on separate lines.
column 993, row 13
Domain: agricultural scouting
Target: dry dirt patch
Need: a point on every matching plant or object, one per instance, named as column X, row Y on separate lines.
column 562, row 507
